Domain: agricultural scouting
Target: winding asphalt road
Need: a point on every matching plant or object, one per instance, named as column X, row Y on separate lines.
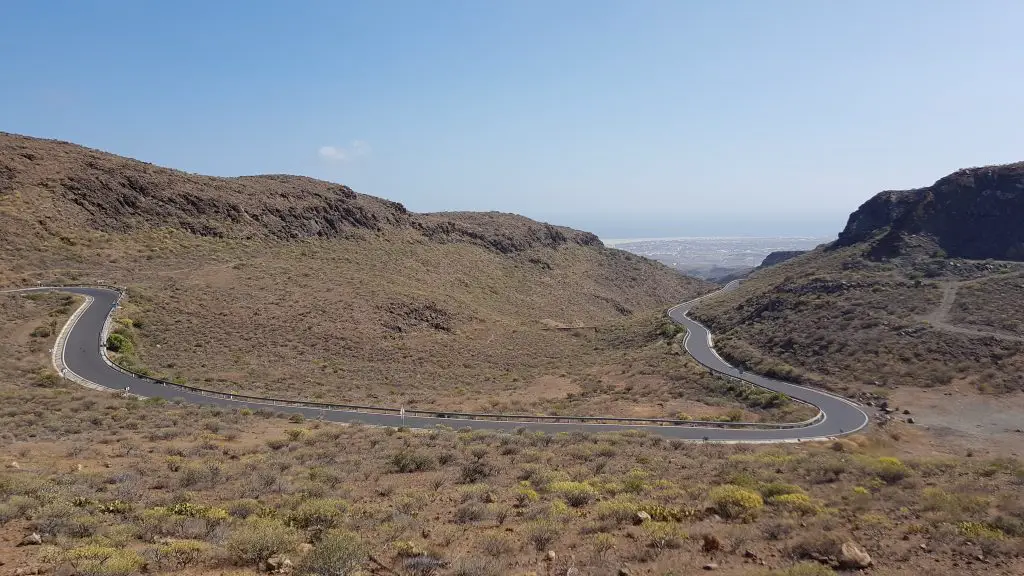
column 82, row 354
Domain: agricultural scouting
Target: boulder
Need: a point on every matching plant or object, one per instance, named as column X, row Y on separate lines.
column 852, row 557
column 278, row 565
column 641, row 517
column 711, row 566
column 32, row 539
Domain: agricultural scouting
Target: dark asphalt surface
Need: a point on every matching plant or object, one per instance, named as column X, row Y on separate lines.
column 82, row 355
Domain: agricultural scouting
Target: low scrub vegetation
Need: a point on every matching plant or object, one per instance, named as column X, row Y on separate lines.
column 125, row 486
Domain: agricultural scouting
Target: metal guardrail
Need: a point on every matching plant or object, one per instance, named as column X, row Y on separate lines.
column 438, row 414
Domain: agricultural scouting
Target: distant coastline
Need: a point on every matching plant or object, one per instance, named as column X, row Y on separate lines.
column 613, row 242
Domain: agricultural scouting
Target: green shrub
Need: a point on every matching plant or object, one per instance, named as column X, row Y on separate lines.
column 47, row 378
column 617, row 510
column 8, row 513
column 525, row 495
column 412, row 461
column 661, row 513
column 96, row 560
column 63, row 519
column 321, row 513
column 816, row 544
column 890, row 470
column 576, row 494
column 181, row 554
column 1009, row 525
column 798, row 503
column 979, row 530
column 277, row 443
column 338, row 553
column 257, row 539
column 16, row 507
column 635, row 481
column 663, row 535
column 115, row 507
column 191, row 510
column 120, row 344
column 953, row 506
column 247, row 507
column 497, row 545
column 770, row 490
column 542, row 534
column 733, row 502
column 476, row 471
column 470, row 512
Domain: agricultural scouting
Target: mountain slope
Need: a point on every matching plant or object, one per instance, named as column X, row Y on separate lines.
column 895, row 301
column 299, row 288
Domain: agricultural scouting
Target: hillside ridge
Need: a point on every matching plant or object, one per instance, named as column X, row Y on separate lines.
column 972, row 213
column 115, row 194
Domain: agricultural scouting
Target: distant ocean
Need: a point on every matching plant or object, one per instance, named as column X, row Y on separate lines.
column 712, row 255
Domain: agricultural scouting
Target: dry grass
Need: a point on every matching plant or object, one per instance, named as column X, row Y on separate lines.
column 208, row 490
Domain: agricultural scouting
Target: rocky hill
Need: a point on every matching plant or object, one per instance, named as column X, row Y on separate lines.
column 906, row 296
column 119, row 195
column 973, row 213
column 232, row 280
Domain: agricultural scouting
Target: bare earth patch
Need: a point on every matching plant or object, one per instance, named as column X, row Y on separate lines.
column 986, row 424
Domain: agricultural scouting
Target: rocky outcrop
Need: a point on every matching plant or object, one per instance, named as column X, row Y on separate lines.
column 780, row 257
column 973, row 213
column 506, row 233
column 853, row 557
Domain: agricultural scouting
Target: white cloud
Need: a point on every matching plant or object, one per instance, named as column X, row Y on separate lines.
column 355, row 149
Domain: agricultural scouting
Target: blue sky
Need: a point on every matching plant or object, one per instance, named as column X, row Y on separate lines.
column 636, row 118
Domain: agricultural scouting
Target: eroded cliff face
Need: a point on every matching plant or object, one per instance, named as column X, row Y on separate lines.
column 975, row 213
